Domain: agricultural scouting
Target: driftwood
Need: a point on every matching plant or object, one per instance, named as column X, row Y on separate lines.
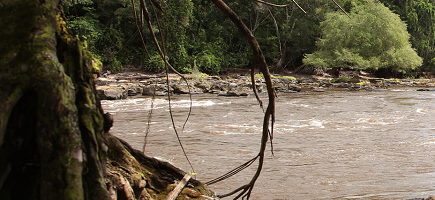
column 174, row 193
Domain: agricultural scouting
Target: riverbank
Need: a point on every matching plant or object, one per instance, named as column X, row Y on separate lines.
column 124, row 84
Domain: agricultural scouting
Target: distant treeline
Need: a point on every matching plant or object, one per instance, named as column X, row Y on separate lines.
column 195, row 31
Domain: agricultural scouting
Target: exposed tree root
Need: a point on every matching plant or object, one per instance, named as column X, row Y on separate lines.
column 132, row 175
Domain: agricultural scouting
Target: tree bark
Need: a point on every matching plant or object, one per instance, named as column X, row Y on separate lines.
column 51, row 123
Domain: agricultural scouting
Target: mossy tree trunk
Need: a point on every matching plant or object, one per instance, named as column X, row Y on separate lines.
column 51, row 124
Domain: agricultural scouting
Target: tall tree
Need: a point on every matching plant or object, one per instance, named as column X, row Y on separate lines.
column 420, row 18
column 374, row 38
column 51, row 123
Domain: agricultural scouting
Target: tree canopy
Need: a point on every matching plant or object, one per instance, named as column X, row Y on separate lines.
column 373, row 38
column 420, row 18
column 195, row 31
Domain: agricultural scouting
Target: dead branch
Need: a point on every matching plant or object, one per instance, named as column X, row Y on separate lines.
column 280, row 6
column 162, row 54
column 271, row 4
column 258, row 60
column 341, row 8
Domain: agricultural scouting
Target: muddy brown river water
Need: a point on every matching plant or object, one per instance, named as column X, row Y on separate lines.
column 327, row 145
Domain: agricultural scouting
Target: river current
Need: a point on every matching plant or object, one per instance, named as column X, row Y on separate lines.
column 327, row 145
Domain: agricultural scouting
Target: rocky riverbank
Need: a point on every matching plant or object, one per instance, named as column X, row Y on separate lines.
column 122, row 85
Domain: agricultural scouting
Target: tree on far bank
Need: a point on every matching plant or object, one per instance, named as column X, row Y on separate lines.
column 420, row 17
column 373, row 38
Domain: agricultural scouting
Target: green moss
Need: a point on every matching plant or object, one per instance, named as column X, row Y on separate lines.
column 344, row 80
column 202, row 188
column 289, row 77
column 74, row 177
column 96, row 65
column 395, row 80
column 62, row 31
column 364, row 82
column 258, row 76
column 339, row 80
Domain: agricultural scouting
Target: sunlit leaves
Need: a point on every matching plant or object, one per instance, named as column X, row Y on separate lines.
column 420, row 17
column 374, row 38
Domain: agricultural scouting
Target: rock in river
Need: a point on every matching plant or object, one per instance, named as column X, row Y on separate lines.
column 112, row 92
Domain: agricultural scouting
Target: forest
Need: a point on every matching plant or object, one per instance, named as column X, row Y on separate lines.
column 54, row 134
column 392, row 36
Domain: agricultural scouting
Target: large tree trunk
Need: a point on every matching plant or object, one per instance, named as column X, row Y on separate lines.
column 51, row 124
column 53, row 133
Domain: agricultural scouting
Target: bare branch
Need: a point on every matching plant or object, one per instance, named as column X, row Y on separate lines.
column 258, row 60
column 163, row 56
column 341, row 8
column 271, row 4
column 299, row 6
column 280, row 6
column 136, row 33
column 276, row 31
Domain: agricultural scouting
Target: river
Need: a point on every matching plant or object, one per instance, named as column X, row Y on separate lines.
column 327, row 145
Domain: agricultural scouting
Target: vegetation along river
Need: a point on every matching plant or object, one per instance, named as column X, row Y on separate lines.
column 373, row 145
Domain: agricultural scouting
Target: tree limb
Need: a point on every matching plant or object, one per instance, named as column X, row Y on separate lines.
column 271, row 4
column 163, row 56
column 341, row 8
column 280, row 6
column 258, row 60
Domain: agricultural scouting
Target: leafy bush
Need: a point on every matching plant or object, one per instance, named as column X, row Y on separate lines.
column 155, row 64
column 374, row 38
column 209, row 63
column 114, row 65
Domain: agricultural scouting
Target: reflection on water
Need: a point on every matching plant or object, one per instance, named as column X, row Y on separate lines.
column 375, row 145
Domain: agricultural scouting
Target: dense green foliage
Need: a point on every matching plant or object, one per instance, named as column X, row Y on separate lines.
column 195, row 31
column 372, row 38
column 106, row 25
column 420, row 18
